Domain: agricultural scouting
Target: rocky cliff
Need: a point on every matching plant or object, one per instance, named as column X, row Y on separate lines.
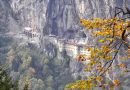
column 51, row 17
column 60, row 17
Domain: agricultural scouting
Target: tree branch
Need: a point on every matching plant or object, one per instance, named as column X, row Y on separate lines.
column 111, row 61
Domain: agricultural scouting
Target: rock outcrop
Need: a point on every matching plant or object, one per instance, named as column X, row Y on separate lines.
column 54, row 17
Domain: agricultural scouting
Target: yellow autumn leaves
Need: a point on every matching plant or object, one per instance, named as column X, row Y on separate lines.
column 116, row 82
column 108, row 31
column 81, row 85
column 104, row 53
column 95, row 23
column 106, row 27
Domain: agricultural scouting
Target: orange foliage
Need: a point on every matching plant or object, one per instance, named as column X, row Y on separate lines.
column 82, row 57
column 116, row 82
column 110, row 37
column 99, row 78
column 122, row 65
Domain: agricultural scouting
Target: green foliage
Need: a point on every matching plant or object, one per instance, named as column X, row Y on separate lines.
column 50, row 81
column 5, row 81
column 45, row 70
column 26, row 87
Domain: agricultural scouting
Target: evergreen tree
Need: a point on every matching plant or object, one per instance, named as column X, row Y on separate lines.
column 5, row 80
column 26, row 87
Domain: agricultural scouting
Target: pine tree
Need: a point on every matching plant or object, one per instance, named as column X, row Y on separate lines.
column 5, row 80
column 26, row 87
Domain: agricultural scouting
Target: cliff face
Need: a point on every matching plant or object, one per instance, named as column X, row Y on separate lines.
column 63, row 15
column 60, row 17
column 29, row 13
column 54, row 17
column 5, row 11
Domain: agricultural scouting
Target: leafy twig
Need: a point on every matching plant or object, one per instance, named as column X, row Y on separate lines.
column 112, row 59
